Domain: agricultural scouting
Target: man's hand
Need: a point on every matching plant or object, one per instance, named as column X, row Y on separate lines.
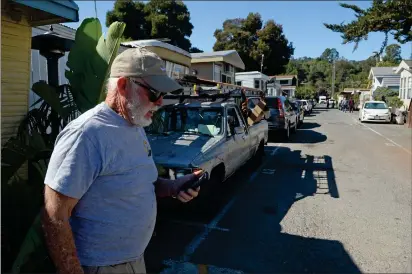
column 186, row 196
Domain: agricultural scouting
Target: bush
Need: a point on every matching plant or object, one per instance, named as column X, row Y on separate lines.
column 381, row 91
column 394, row 102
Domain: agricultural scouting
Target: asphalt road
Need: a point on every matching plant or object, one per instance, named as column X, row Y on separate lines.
column 336, row 198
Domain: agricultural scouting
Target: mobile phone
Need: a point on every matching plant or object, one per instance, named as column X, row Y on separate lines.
column 195, row 184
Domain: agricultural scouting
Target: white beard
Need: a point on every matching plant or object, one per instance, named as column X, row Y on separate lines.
column 137, row 111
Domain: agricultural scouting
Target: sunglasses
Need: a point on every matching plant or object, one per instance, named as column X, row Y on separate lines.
column 154, row 95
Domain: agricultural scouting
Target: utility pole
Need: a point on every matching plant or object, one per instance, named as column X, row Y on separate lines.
column 261, row 63
column 333, row 78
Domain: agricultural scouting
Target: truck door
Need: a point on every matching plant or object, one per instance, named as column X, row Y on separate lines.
column 237, row 140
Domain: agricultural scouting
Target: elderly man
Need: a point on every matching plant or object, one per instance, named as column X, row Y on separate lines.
column 101, row 183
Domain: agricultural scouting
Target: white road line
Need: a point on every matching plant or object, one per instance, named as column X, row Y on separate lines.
column 380, row 134
column 192, row 246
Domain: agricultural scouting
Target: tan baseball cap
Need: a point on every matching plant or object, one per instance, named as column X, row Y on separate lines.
column 144, row 64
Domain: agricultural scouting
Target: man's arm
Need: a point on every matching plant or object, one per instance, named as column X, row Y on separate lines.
column 164, row 187
column 58, row 233
column 167, row 188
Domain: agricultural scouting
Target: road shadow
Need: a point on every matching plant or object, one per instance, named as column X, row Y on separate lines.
column 309, row 125
column 251, row 239
column 256, row 242
column 302, row 136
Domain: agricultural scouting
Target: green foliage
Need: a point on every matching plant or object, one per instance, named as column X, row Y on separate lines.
column 386, row 64
column 394, row 102
column 90, row 59
column 390, row 16
column 393, row 54
column 251, row 38
column 317, row 72
column 195, row 50
column 155, row 19
column 305, row 92
column 382, row 91
column 89, row 62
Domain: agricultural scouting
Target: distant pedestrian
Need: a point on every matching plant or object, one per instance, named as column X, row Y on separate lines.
column 344, row 104
column 351, row 105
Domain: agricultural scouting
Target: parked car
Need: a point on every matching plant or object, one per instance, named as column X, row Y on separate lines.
column 300, row 111
column 376, row 111
column 282, row 118
column 307, row 105
column 212, row 136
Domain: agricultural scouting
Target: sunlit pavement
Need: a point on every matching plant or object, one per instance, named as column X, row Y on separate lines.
column 335, row 198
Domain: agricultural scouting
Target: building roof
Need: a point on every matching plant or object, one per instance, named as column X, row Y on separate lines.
column 62, row 11
column 382, row 71
column 404, row 65
column 155, row 43
column 62, row 30
column 227, row 56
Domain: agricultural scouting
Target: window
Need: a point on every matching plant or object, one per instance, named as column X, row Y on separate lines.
column 375, row 106
column 228, row 79
column 284, row 82
column 409, row 87
column 217, row 74
column 224, row 78
column 228, row 68
column 256, row 84
column 232, row 121
column 194, row 120
column 239, row 83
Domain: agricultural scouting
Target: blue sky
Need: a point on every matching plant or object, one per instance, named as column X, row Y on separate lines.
column 302, row 23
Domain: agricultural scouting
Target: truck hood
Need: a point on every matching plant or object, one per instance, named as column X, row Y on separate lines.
column 179, row 149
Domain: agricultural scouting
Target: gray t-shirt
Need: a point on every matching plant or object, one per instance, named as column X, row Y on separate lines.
column 107, row 164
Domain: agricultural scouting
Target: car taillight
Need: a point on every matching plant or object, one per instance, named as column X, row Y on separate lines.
column 281, row 113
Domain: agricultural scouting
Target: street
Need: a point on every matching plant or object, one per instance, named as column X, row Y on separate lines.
column 335, row 198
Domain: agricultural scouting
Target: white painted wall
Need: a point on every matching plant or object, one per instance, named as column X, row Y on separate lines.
column 248, row 79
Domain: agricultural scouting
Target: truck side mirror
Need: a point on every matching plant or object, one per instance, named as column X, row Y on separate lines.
column 239, row 130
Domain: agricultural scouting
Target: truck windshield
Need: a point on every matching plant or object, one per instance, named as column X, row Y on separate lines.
column 193, row 120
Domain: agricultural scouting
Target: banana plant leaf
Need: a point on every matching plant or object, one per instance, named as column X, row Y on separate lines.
column 90, row 59
column 33, row 251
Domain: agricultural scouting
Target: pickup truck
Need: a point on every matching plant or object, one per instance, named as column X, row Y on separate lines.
column 212, row 136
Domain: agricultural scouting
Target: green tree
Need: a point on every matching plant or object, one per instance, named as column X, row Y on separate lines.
column 393, row 54
column 252, row 39
column 156, row 19
column 195, row 50
column 132, row 13
column 305, row 92
column 390, row 16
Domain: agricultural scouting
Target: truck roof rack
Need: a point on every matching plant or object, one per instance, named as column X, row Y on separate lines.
column 193, row 85
column 208, row 95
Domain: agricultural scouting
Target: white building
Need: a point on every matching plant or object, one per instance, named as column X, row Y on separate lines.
column 288, row 84
column 405, row 88
column 252, row 79
column 218, row 66
column 384, row 77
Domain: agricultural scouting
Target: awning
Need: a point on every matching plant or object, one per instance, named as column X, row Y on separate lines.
column 62, row 10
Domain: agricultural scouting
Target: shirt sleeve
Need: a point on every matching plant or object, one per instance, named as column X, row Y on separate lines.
column 74, row 165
